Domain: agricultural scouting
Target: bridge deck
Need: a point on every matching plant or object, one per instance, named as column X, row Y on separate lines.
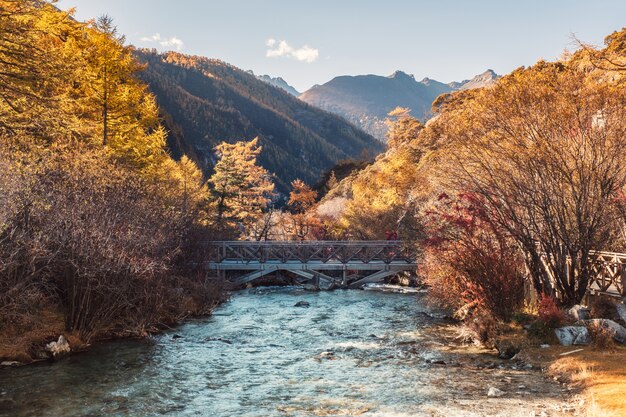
column 309, row 258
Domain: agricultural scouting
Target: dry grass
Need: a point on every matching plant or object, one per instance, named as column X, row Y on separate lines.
column 598, row 372
column 15, row 341
column 602, row 377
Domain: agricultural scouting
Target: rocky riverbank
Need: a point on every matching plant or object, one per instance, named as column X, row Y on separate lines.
column 44, row 337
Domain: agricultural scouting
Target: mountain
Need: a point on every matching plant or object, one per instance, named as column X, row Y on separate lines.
column 485, row 79
column 278, row 82
column 365, row 100
column 206, row 101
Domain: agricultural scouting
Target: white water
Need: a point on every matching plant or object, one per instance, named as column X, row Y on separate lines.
column 350, row 353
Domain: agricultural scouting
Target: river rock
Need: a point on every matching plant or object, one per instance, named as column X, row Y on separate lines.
column 7, row 403
column 621, row 311
column 579, row 312
column 10, row 363
column 329, row 355
column 573, row 335
column 302, row 304
column 507, row 349
column 327, row 285
column 59, row 349
column 495, row 392
column 619, row 332
column 310, row 287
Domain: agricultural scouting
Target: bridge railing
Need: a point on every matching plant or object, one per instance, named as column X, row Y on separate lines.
column 608, row 273
column 311, row 251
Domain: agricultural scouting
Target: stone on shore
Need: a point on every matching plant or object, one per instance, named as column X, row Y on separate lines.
column 621, row 311
column 507, row 349
column 579, row 312
column 58, row 349
column 495, row 392
column 573, row 335
column 619, row 332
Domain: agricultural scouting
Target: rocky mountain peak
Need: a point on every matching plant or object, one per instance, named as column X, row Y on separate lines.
column 401, row 75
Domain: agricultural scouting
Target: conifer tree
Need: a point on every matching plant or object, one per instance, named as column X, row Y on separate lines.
column 242, row 188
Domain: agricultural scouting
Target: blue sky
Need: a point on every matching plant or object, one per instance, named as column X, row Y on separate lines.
column 311, row 42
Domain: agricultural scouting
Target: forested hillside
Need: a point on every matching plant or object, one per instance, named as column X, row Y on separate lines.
column 206, row 101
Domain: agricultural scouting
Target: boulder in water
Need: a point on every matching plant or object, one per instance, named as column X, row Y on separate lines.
column 328, row 355
column 326, row 285
column 302, row 304
column 58, row 349
column 310, row 287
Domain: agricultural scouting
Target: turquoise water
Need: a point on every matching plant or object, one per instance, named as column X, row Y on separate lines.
column 348, row 353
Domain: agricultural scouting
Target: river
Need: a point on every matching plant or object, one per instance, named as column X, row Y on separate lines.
column 350, row 353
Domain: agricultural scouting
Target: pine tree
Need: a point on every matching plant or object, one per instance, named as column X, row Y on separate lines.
column 242, row 189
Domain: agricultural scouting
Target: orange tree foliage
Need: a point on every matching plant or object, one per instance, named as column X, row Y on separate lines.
column 543, row 149
column 383, row 197
column 300, row 220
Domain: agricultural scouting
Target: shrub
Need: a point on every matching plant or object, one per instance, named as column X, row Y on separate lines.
column 549, row 313
column 470, row 260
column 484, row 328
column 603, row 308
column 602, row 338
column 100, row 240
column 523, row 318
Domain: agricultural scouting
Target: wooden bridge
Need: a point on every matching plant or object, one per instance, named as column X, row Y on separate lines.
column 322, row 263
column 608, row 273
column 355, row 263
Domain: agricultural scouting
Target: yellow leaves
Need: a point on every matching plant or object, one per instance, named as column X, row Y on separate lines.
column 402, row 127
column 302, row 197
column 73, row 87
column 241, row 187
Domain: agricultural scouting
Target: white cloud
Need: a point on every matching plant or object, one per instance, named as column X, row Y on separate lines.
column 171, row 43
column 282, row 48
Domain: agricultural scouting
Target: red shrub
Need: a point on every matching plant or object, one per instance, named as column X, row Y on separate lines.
column 470, row 260
column 549, row 313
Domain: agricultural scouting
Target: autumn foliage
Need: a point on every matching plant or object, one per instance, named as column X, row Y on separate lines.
column 471, row 262
column 542, row 150
column 95, row 217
